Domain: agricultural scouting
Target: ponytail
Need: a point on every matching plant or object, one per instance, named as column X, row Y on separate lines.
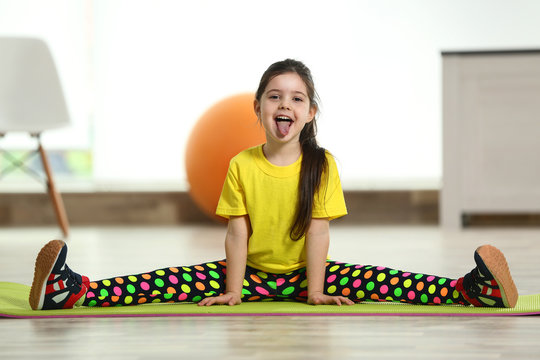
column 314, row 164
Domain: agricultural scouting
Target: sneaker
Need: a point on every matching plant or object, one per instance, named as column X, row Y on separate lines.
column 489, row 284
column 55, row 285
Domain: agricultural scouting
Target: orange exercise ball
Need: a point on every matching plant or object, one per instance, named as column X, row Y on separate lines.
column 224, row 130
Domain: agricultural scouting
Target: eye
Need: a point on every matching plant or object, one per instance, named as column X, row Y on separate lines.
column 298, row 99
column 273, row 96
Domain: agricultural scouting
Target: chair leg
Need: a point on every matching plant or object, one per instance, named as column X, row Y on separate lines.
column 55, row 196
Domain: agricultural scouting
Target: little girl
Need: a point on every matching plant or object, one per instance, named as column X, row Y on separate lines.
column 279, row 199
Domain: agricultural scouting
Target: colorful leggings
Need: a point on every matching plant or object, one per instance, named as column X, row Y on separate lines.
column 193, row 283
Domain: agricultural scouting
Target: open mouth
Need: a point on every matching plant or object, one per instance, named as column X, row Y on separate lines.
column 284, row 124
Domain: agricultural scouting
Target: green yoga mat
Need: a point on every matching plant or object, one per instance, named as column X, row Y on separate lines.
column 14, row 304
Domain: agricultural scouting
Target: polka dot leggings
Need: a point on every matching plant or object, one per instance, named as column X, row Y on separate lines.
column 193, row 283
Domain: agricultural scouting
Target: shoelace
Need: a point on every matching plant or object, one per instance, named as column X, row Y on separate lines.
column 470, row 282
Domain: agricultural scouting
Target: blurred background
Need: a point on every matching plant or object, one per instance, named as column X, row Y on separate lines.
column 138, row 74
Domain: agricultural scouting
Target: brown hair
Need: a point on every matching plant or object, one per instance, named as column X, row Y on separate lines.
column 314, row 162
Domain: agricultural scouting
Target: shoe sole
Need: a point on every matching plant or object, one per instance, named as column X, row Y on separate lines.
column 44, row 264
column 496, row 263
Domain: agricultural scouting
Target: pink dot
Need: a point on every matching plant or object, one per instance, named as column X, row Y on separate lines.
column 430, row 278
column 182, row 297
column 280, row 281
column 200, row 276
column 261, row 291
column 331, row 278
column 436, row 300
column 380, row 268
column 90, row 294
column 356, row 283
column 145, row 286
column 411, row 295
column 384, row 289
column 453, row 283
column 173, row 279
column 117, row 291
column 406, row 274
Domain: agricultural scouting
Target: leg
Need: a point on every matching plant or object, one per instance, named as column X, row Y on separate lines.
column 377, row 283
column 173, row 284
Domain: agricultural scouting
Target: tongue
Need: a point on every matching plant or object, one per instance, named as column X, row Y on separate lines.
column 284, row 127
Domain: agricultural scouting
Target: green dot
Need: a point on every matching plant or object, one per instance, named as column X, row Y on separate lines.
column 388, row 298
column 424, row 298
column 368, row 267
column 288, row 290
column 185, row 288
column 128, row 300
column 160, row 272
column 214, row 284
column 449, row 301
column 246, row 292
column 398, row 292
column 186, row 269
column 381, row 277
column 131, row 289
column 442, row 281
column 418, row 276
column 334, row 268
column 156, row 300
column 168, row 296
column 196, row 298
column 211, row 266
column 159, row 283
column 393, row 272
column 370, row 285
column 103, row 293
column 92, row 303
column 272, row 284
column 156, row 292
column 303, row 284
column 455, row 294
column 246, row 283
column 106, row 282
column 332, row 289
column 344, row 281
column 132, row 278
column 407, row 283
column 432, row 289
column 187, row 277
column 214, row 274
column 262, row 275
column 360, row 294
column 355, row 273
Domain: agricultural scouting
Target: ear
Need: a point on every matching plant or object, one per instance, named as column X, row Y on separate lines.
column 312, row 113
column 256, row 107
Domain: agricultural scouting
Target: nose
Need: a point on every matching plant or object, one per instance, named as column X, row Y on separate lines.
column 284, row 105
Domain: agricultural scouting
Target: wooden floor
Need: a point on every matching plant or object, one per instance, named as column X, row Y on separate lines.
column 108, row 251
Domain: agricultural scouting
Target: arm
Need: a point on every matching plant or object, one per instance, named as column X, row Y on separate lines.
column 317, row 242
column 238, row 232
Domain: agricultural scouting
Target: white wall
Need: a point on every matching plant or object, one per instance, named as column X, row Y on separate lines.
column 152, row 68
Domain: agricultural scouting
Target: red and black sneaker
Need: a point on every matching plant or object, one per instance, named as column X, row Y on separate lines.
column 55, row 285
column 489, row 284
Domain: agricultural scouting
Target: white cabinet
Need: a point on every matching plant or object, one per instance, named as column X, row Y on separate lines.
column 491, row 134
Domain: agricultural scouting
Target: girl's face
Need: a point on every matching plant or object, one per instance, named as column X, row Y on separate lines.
column 284, row 108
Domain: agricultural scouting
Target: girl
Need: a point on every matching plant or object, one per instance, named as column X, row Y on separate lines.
column 279, row 199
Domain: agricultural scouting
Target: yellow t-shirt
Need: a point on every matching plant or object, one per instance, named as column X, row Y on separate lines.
column 269, row 194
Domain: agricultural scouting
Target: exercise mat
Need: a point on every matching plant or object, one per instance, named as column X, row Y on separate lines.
column 14, row 304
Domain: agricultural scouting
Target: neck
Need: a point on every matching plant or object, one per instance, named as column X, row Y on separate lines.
column 282, row 154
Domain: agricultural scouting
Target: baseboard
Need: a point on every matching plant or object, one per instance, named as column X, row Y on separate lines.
column 414, row 207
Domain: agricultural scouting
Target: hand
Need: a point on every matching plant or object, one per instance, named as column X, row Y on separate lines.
column 229, row 298
column 322, row 299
